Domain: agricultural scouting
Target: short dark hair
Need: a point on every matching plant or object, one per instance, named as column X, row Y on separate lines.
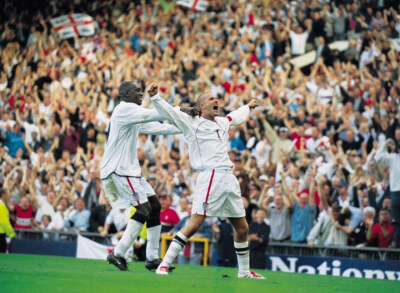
column 3, row 191
column 200, row 99
column 47, row 216
column 385, row 210
column 263, row 210
column 125, row 87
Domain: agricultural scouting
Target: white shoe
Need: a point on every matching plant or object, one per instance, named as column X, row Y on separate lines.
column 162, row 270
column 250, row 275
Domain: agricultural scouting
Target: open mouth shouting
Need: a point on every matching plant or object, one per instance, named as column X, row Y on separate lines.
column 216, row 108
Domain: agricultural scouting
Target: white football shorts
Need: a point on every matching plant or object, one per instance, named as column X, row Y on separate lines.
column 124, row 192
column 217, row 194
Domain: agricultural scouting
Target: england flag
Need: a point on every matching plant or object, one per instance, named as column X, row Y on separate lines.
column 198, row 5
column 71, row 25
column 87, row 248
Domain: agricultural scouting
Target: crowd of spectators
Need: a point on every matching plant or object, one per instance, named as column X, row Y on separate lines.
column 306, row 159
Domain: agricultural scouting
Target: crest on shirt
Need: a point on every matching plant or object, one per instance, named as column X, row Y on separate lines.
column 136, row 196
column 205, row 206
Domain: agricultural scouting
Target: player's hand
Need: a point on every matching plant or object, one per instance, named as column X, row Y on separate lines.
column 253, row 103
column 153, row 89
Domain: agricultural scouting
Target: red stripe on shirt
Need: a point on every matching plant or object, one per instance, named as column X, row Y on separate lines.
column 133, row 190
column 209, row 188
column 229, row 118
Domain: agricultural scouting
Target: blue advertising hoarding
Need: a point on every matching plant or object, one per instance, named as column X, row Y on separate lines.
column 335, row 266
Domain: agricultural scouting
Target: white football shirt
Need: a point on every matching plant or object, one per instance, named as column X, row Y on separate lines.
column 127, row 121
column 207, row 140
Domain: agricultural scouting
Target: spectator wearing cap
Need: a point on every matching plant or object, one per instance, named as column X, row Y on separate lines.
column 304, row 212
column 279, row 142
column 392, row 161
column 303, row 209
column 263, row 180
column 343, row 198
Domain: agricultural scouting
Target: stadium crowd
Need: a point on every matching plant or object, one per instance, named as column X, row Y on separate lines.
column 313, row 161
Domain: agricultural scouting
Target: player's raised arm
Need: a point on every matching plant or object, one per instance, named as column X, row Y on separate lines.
column 240, row 115
column 382, row 156
column 129, row 111
column 157, row 128
column 176, row 117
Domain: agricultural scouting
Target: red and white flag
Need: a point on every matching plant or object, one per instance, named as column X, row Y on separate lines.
column 199, row 5
column 87, row 248
column 71, row 25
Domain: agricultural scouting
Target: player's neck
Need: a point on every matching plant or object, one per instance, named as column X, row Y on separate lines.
column 208, row 117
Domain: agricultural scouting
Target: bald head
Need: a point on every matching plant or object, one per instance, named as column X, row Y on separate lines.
column 202, row 99
column 125, row 87
column 130, row 92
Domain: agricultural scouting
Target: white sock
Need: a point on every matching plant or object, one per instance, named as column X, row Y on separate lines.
column 153, row 242
column 242, row 252
column 175, row 247
column 132, row 231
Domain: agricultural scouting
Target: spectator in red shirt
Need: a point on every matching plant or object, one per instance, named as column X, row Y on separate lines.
column 168, row 217
column 24, row 214
column 381, row 233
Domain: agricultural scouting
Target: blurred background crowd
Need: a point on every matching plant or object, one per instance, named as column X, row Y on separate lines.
column 314, row 161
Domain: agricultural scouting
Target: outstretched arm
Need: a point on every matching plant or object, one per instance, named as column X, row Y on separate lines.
column 240, row 115
column 382, row 156
column 158, row 128
column 176, row 117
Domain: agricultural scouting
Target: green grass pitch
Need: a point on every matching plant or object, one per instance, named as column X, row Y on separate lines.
column 33, row 273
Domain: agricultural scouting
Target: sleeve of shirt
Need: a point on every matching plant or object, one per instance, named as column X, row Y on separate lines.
column 5, row 222
column 238, row 116
column 157, row 128
column 86, row 219
column 175, row 218
column 130, row 113
column 176, row 117
column 315, row 232
column 383, row 157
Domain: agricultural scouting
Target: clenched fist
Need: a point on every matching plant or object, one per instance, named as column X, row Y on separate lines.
column 253, row 103
column 153, row 89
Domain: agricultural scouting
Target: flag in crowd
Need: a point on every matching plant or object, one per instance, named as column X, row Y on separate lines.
column 71, row 25
column 198, row 5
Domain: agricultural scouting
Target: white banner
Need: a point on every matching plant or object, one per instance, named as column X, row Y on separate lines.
column 199, row 5
column 71, row 25
column 87, row 248
column 309, row 58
